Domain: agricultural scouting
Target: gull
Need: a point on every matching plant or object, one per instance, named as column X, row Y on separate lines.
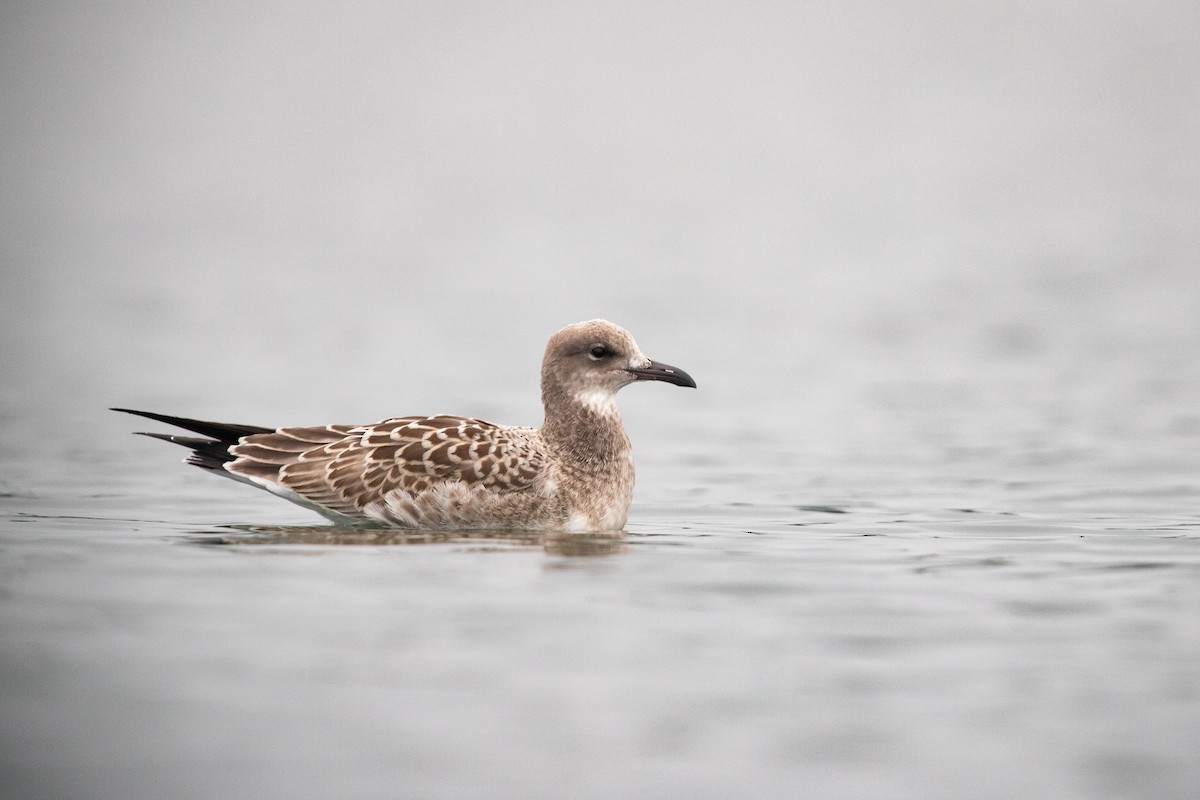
column 574, row 474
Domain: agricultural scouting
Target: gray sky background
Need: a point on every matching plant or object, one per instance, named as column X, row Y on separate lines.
column 293, row 194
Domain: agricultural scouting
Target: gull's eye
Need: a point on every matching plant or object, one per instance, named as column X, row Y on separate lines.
column 599, row 352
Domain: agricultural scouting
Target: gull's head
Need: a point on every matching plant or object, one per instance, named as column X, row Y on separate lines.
column 590, row 361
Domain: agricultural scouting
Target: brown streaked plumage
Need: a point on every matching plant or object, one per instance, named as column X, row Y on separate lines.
column 575, row 473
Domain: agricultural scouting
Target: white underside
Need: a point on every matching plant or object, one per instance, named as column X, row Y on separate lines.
column 293, row 497
column 613, row 520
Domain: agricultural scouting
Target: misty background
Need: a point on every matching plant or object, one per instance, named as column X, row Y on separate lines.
column 220, row 205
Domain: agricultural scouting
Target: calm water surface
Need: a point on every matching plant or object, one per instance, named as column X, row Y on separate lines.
column 948, row 614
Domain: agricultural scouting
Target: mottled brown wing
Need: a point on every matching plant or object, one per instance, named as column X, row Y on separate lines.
column 265, row 457
column 344, row 468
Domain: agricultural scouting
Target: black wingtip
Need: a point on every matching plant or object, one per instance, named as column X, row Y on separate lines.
column 208, row 454
column 186, row 441
column 225, row 432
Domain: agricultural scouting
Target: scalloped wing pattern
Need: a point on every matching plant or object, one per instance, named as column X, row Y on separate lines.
column 346, row 468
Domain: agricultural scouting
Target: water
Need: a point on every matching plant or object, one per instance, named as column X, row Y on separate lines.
column 968, row 617
column 929, row 527
column 910, row 657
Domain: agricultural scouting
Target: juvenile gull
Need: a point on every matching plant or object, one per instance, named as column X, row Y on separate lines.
column 573, row 474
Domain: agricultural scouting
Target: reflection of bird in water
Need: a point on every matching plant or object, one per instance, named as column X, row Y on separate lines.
column 604, row 543
column 574, row 474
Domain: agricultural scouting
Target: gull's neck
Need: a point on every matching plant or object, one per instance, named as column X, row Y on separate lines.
column 584, row 423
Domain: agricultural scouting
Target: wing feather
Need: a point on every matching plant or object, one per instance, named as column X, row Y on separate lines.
column 345, row 468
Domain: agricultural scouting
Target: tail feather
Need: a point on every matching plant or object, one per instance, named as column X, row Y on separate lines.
column 211, row 453
column 206, row 453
